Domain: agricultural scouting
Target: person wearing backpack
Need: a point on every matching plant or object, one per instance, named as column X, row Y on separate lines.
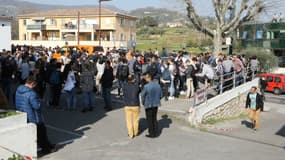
column 87, row 83
column 122, row 74
column 154, row 68
column 165, row 79
column 55, row 82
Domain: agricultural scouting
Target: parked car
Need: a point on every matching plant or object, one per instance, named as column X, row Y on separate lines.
column 275, row 82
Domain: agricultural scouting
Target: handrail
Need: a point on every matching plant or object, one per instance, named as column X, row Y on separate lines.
column 224, row 82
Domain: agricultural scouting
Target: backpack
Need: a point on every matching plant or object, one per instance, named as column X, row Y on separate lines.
column 166, row 74
column 153, row 69
column 54, row 77
column 124, row 72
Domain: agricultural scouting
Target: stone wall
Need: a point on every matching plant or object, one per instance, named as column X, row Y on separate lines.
column 232, row 108
column 227, row 105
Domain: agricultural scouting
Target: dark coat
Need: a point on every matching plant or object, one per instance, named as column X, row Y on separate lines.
column 107, row 78
column 259, row 102
column 131, row 94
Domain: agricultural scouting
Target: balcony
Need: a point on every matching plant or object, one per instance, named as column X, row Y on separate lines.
column 89, row 27
column 36, row 27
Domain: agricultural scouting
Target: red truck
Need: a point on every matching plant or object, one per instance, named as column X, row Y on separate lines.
column 275, row 82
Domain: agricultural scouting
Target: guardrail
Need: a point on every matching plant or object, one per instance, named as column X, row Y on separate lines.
column 223, row 83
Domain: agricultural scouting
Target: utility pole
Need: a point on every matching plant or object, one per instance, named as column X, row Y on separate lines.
column 100, row 19
column 100, row 22
column 78, row 28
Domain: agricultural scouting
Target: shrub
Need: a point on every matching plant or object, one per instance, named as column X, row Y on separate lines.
column 267, row 59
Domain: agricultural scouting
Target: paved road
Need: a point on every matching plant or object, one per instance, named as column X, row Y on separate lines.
column 102, row 136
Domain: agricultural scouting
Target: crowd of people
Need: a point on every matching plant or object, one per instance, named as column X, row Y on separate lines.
column 83, row 72
column 44, row 78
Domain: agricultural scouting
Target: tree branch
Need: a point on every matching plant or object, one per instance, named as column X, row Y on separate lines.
column 195, row 19
column 252, row 12
column 248, row 15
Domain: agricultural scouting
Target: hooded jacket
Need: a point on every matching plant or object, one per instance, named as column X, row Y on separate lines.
column 27, row 101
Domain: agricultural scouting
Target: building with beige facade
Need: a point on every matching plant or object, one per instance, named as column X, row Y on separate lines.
column 58, row 27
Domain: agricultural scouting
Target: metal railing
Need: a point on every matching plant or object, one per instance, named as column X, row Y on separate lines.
column 222, row 83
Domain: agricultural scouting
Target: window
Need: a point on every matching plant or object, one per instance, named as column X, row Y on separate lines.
column 244, row 35
column 122, row 37
column 25, row 22
column 269, row 79
column 131, row 23
column 122, row 21
column 259, row 34
column 132, row 37
column 278, row 79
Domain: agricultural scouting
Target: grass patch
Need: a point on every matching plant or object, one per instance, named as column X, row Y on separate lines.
column 214, row 121
column 8, row 114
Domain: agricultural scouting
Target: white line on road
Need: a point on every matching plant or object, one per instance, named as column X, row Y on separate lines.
column 172, row 110
column 65, row 131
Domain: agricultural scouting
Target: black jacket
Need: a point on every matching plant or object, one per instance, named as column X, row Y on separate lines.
column 107, row 78
column 131, row 94
column 259, row 102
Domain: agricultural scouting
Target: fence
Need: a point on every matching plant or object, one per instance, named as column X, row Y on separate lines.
column 222, row 83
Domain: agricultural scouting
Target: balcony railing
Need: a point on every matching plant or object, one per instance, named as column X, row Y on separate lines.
column 36, row 27
column 88, row 26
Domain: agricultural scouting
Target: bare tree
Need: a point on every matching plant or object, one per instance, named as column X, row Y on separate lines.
column 244, row 10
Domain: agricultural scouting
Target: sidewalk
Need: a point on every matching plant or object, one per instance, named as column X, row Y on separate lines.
column 272, row 123
column 271, row 131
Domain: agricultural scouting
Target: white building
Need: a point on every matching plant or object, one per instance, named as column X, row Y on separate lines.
column 5, row 33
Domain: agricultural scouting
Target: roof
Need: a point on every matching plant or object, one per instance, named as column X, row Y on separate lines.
column 73, row 12
column 7, row 18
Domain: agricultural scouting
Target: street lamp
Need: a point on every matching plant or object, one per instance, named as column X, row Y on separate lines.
column 100, row 20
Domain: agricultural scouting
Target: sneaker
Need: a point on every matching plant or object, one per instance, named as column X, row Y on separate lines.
column 182, row 93
column 117, row 96
column 171, row 98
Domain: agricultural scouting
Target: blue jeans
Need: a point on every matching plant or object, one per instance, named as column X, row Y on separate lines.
column 120, row 87
column 71, row 99
column 172, row 88
column 107, row 97
column 88, row 100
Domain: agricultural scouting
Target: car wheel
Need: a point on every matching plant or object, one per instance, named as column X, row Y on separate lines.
column 276, row 91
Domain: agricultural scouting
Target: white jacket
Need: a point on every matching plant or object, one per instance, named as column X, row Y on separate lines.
column 70, row 81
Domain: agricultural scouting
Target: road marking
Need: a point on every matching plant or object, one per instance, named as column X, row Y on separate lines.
column 172, row 110
column 66, row 142
column 65, row 131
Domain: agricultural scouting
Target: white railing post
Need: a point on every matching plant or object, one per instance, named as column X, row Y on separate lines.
column 221, row 84
column 234, row 79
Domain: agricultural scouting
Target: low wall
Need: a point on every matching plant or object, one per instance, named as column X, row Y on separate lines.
column 16, row 135
column 229, row 104
column 233, row 108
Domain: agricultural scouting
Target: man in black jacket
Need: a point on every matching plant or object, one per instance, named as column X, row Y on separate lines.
column 107, row 83
column 131, row 92
column 254, row 102
column 122, row 74
column 137, row 67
